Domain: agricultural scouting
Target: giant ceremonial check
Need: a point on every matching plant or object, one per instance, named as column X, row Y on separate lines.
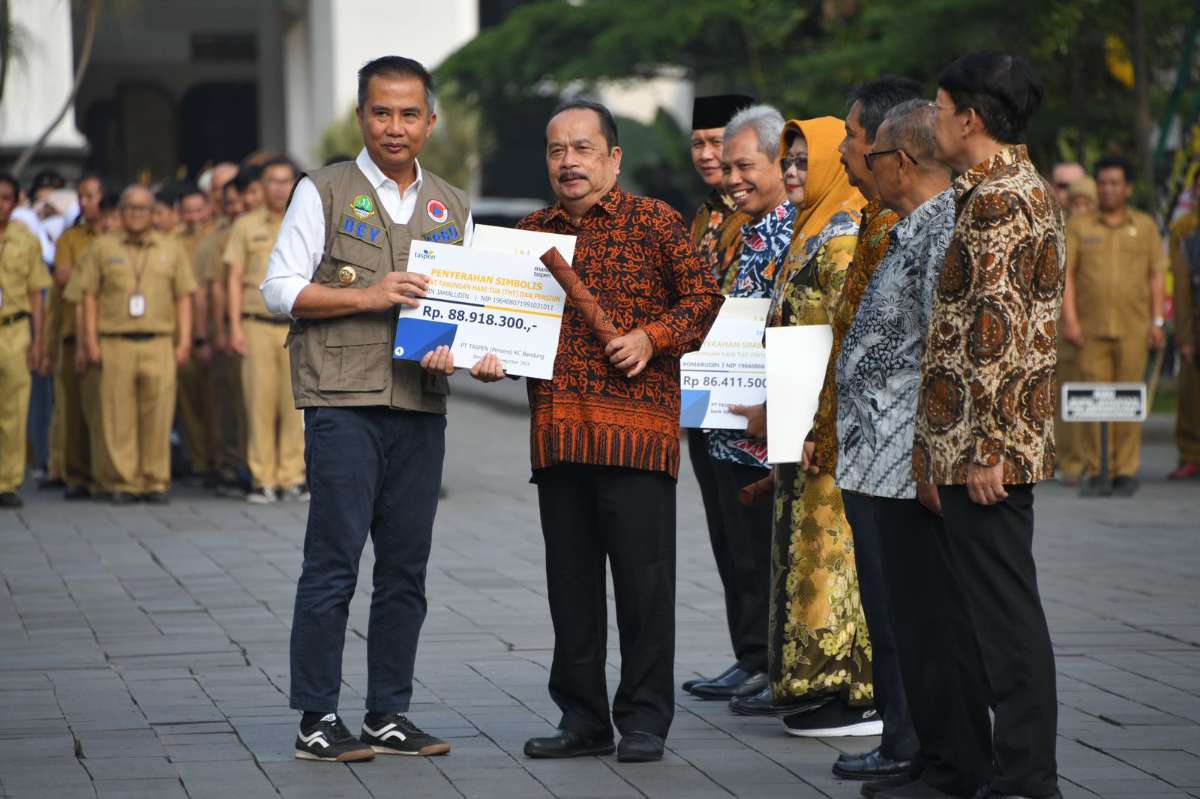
column 480, row 302
column 730, row 368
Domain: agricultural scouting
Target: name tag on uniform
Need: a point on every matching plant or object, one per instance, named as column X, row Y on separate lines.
column 137, row 305
column 446, row 234
column 368, row 234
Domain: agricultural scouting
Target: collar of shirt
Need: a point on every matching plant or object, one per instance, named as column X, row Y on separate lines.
column 378, row 180
column 609, row 204
column 1126, row 220
column 146, row 240
column 1011, row 154
column 771, row 222
column 917, row 222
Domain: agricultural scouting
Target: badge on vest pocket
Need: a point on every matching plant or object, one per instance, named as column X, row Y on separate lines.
column 137, row 305
column 367, row 234
column 445, row 234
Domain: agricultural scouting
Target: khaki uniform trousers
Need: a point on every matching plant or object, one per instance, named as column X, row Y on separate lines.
column 275, row 429
column 100, row 462
column 1114, row 360
column 137, row 403
column 1187, row 422
column 230, row 423
column 1070, row 438
column 70, row 427
column 15, row 385
column 195, row 412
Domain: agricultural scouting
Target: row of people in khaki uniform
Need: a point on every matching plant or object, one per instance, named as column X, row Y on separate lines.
column 161, row 319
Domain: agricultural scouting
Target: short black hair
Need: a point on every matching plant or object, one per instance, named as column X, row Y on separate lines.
column 877, row 97
column 1114, row 162
column 395, row 66
column 110, row 201
column 12, row 181
column 245, row 176
column 608, row 125
column 1002, row 88
column 47, row 179
column 187, row 189
column 86, row 176
column 166, row 196
column 280, row 160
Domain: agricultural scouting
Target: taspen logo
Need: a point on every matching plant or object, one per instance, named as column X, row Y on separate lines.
column 424, row 254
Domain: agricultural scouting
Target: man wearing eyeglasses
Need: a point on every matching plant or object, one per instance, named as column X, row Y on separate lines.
column 136, row 289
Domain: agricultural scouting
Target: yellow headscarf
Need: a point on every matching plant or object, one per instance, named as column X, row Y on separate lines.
column 827, row 189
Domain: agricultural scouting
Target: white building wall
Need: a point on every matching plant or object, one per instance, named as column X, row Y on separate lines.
column 40, row 77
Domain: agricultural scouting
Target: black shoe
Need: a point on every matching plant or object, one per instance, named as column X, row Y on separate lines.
column 9, row 499
column 834, row 720
column 123, row 498
column 394, row 734
column 873, row 765
column 914, row 789
column 566, row 743
column 988, row 792
column 50, row 483
column 76, row 492
column 640, row 747
column 739, row 683
column 761, row 704
column 328, row 740
column 891, row 783
column 1124, row 486
column 688, row 685
column 156, row 498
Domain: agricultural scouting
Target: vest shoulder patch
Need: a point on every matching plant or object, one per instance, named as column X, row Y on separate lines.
column 355, row 228
column 448, row 233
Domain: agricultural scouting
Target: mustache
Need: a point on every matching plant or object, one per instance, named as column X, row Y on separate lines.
column 571, row 175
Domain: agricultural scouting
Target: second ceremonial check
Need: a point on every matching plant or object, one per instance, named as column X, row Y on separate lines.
column 493, row 297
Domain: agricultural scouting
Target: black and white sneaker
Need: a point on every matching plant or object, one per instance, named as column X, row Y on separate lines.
column 834, row 720
column 328, row 740
column 394, row 734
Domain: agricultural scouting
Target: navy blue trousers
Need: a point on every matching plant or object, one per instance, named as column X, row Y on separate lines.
column 376, row 472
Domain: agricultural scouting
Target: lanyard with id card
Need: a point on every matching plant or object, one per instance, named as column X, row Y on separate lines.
column 137, row 300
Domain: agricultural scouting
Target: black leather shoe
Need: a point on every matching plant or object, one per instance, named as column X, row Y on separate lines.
column 76, row 492
column 760, row 704
column 739, row 683
column 566, row 743
column 873, row 765
column 987, row 792
column 688, row 685
column 640, row 747
column 1122, row 486
column 877, row 787
column 156, row 498
column 123, row 498
column 9, row 499
column 915, row 789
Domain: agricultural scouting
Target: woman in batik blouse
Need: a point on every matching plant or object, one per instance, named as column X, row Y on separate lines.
column 818, row 644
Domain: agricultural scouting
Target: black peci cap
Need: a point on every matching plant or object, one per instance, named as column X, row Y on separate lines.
column 715, row 110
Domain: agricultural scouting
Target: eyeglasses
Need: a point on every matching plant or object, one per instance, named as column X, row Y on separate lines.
column 137, row 208
column 870, row 157
column 789, row 161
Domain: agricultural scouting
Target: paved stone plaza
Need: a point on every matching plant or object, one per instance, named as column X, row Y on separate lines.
column 143, row 650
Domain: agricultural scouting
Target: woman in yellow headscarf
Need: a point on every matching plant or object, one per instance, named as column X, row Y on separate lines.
column 818, row 644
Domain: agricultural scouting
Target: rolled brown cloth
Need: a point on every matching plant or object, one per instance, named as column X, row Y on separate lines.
column 579, row 297
column 757, row 492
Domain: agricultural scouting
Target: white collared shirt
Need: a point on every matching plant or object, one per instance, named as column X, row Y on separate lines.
column 301, row 241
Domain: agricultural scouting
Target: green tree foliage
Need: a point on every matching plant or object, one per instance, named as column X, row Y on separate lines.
column 804, row 56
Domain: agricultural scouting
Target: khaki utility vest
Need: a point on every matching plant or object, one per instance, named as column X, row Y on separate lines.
column 347, row 361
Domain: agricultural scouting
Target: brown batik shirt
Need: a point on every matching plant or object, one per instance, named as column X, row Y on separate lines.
column 987, row 377
column 717, row 236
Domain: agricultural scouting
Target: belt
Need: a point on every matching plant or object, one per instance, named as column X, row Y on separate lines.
column 134, row 336
column 271, row 320
column 17, row 317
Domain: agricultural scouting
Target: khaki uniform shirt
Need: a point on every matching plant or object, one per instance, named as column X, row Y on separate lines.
column 67, row 251
column 115, row 268
column 206, row 257
column 251, row 240
column 21, row 269
column 1186, row 329
column 1111, row 268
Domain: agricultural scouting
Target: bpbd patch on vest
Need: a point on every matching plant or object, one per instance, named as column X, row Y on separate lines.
column 446, row 234
column 362, row 207
column 368, row 234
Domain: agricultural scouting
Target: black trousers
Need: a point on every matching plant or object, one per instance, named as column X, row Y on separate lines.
column 741, row 545
column 371, row 471
column 935, row 647
column 991, row 551
column 899, row 740
column 627, row 516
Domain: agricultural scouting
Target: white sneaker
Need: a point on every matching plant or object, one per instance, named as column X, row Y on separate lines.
column 262, row 496
column 295, row 494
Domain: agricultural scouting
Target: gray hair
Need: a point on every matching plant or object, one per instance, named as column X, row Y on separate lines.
column 765, row 121
column 132, row 189
column 910, row 125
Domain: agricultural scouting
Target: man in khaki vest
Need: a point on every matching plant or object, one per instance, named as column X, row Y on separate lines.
column 275, row 432
column 194, row 400
column 23, row 275
column 225, row 376
column 374, row 428
column 69, row 434
column 1113, row 306
column 135, row 288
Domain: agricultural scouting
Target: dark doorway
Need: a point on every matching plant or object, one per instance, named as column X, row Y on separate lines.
column 217, row 122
